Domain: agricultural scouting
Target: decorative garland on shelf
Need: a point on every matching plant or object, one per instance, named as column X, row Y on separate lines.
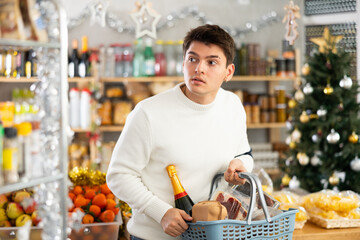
column 97, row 11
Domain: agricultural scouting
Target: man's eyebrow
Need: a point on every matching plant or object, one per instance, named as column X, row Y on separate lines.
column 210, row 56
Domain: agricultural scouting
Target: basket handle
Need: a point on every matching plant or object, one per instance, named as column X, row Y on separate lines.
column 255, row 183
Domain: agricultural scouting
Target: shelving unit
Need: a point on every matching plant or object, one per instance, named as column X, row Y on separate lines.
column 52, row 186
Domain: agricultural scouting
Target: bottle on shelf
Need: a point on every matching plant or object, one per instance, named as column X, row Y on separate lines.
column 182, row 199
column 73, row 67
column 74, row 103
column 179, row 57
column 119, row 65
column 170, row 58
column 149, row 59
column 127, row 58
column 24, row 162
column 84, row 63
column 10, row 155
column 138, row 61
column 243, row 60
column 8, row 63
column 160, row 59
column 85, row 108
column 16, row 99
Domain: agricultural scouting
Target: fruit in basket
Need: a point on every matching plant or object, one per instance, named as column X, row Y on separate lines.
column 107, row 216
column 35, row 218
column 90, row 193
column 88, row 218
column 5, row 223
column 22, row 219
column 80, row 201
column 105, row 189
column 14, row 210
column 95, row 210
column 3, row 200
column 20, row 196
column 3, row 216
column 78, row 190
column 100, row 200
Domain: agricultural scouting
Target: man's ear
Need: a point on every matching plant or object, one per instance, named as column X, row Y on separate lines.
column 230, row 69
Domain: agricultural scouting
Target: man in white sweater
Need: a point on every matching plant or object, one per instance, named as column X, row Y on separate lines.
column 197, row 126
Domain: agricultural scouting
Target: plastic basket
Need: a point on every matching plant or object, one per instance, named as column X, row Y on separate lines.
column 280, row 227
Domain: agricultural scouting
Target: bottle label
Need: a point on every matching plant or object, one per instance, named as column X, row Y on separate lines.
column 82, row 69
column 150, row 67
column 9, row 158
column 71, row 70
column 180, row 195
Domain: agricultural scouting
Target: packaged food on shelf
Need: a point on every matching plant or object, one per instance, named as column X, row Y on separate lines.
column 121, row 110
column 12, row 24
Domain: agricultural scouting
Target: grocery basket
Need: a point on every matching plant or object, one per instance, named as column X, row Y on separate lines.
column 279, row 227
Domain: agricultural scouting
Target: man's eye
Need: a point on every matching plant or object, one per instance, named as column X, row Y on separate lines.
column 191, row 59
column 211, row 62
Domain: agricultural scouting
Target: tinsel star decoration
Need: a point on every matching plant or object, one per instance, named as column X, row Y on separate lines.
column 327, row 42
column 146, row 19
column 291, row 33
column 98, row 9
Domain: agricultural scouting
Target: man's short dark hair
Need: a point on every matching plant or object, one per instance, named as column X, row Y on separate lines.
column 212, row 34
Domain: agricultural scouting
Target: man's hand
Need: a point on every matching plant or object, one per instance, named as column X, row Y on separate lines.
column 173, row 222
column 231, row 174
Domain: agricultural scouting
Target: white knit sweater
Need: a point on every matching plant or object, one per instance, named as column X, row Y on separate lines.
column 200, row 140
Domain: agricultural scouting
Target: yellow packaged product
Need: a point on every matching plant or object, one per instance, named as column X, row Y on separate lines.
column 286, row 197
column 301, row 216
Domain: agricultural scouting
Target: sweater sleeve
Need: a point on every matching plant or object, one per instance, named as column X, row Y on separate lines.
column 131, row 154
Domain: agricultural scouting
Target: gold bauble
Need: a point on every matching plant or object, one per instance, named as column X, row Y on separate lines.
column 314, row 116
column 328, row 90
column 353, row 138
column 334, row 180
column 305, row 69
column 285, row 180
column 292, row 145
column 292, row 103
column 304, row 118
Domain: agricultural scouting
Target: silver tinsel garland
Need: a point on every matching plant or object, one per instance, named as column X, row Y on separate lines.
column 119, row 25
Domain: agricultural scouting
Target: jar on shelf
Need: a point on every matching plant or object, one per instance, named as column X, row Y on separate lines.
column 127, row 58
column 119, row 66
column 160, row 59
column 109, row 62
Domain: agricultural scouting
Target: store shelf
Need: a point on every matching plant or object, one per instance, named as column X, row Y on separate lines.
column 181, row 78
column 80, row 130
column 112, row 128
column 18, row 80
column 30, row 183
column 266, row 125
column 81, row 80
column 14, row 44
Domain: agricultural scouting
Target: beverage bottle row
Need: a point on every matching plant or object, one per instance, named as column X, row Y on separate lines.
column 17, row 64
column 144, row 58
column 80, row 108
column 20, row 138
column 79, row 64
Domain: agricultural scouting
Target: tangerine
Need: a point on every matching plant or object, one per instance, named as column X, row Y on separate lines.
column 78, row 209
column 71, row 196
column 105, row 189
column 107, row 216
column 78, row 190
column 95, row 210
column 110, row 196
column 110, row 204
column 90, row 193
column 96, row 188
column 99, row 200
column 80, row 202
column 88, row 218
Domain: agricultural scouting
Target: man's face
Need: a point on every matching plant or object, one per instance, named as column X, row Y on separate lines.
column 204, row 71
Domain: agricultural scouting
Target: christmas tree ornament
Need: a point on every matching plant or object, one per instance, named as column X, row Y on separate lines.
column 285, row 180
column 292, row 103
column 288, row 140
column 328, row 90
column 305, row 70
column 327, row 42
column 346, row 82
column 313, row 116
column 292, row 145
column 288, row 161
column 355, row 164
column 146, row 19
column 333, row 137
column 304, row 118
column 321, row 111
column 315, row 160
column 303, row 158
column 296, row 135
column 334, row 179
column 341, row 106
column 315, row 138
column 294, row 183
column 308, row 89
column 299, row 95
column 353, row 138
column 288, row 124
column 292, row 13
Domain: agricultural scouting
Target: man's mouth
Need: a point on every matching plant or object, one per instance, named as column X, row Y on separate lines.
column 197, row 80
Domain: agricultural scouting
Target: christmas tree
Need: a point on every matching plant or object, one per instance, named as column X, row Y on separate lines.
column 324, row 122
